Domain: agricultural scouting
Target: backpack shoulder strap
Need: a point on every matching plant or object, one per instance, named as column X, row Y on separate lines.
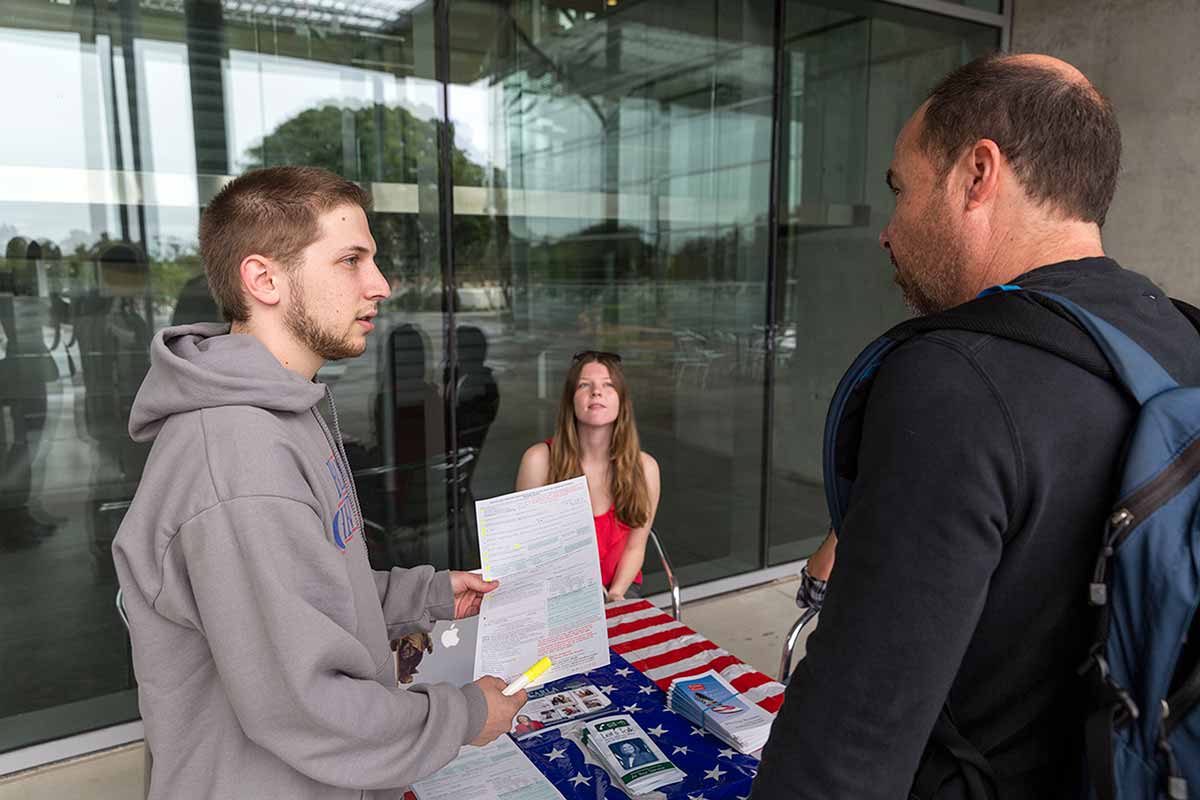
column 1019, row 317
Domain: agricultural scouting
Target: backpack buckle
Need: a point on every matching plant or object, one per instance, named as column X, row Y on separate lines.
column 1128, row 709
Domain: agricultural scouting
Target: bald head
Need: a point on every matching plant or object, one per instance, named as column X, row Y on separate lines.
column 1058, row 133
column 1051, row 64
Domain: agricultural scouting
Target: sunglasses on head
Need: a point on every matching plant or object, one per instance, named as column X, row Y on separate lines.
column 599, row 354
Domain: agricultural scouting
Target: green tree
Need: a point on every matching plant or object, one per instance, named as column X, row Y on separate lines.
column 390, row 144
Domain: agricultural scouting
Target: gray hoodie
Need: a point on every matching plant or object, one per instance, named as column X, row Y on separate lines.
column 260, row 633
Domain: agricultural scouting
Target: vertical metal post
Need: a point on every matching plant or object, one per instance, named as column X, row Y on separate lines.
column 445, row 147
column 130, row 30
column 778, row 131
column 205, row 32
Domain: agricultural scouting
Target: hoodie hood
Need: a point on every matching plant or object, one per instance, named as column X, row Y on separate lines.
column 205, row 366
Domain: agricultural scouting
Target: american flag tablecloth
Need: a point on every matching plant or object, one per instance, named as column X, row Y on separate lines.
column 663, row 649
column 649, row 650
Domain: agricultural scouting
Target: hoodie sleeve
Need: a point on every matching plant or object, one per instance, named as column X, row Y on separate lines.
column 413, row 599
column 275, row 604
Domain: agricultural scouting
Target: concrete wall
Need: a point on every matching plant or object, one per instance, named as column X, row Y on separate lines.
column 1143, row 55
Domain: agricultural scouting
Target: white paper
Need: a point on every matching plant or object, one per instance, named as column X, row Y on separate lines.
column 496, row 770
column 541, row 545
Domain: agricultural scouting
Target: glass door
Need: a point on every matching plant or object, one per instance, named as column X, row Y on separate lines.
column 623, row 207
column 853, row 74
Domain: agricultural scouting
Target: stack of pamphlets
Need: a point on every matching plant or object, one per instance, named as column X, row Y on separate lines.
column 709, row 702
column 630, row 756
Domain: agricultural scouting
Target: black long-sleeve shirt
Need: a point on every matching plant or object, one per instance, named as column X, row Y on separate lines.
column 986, row 470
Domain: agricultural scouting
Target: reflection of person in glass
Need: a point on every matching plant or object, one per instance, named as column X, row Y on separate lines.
column 476, row 406
column 632, row 753
column 259, row 630
column 595, row 435
column 112, row 328
column 26, row 372
column 406, row 500
column 526, row 725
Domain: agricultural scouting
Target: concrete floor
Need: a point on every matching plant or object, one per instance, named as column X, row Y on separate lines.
column 111, row 775
column 751, row 624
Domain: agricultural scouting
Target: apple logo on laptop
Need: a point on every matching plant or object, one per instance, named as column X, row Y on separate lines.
column 450, row 636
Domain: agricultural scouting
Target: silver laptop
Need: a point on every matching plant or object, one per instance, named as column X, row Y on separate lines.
column 453, row 656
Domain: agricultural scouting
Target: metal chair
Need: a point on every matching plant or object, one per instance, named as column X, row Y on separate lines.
column 672, row 583
column 121, row 609
column 789, row 645
column 149, row 759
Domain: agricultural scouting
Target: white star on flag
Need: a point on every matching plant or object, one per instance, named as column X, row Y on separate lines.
column 608, row 689
column 646, row 690
column 715, row 773
column 556, row 753
column 578, row 779
column 624, row 672
column 727, row 753
column 657, row 730
column 683, row 749
column 696, row 797
column 696, row 732
column 631, row 709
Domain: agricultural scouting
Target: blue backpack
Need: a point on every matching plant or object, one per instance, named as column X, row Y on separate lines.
column 1143, row 735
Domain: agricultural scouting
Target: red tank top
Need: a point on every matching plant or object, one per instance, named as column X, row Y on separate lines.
column 611, row 534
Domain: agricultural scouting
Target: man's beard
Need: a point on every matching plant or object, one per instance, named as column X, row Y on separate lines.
column 931, row 277
column 326, row 344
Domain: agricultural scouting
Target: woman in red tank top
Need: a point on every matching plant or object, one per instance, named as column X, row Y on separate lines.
column 596, row 436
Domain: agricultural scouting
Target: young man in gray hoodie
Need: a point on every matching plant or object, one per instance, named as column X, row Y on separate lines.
column 260, row 633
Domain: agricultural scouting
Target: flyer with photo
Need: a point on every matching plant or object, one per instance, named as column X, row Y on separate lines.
column 547, row 707
column 628, row 755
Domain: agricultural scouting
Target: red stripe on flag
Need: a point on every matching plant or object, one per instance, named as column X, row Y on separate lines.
column 719, row 663
column 637, row 625
column 619, row 610
column 744, row 683
column 772, row 703
column 670, row 657
column 652, row 639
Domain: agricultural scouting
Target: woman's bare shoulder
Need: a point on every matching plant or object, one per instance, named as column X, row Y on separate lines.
column 535, row 467
column 649, row 465
column 537, row 453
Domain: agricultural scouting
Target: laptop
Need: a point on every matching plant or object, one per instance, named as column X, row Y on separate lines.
column 453, row 657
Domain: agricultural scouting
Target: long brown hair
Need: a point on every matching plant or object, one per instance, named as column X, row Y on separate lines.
column 627, row 480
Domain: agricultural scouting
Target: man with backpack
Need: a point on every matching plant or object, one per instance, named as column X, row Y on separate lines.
column 977, row 460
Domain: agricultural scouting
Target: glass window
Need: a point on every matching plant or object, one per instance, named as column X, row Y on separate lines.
column 852, row 83
column 624, row 209
column 151, row 108
column 609, row 167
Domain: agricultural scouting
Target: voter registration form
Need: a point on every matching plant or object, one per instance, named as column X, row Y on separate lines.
column 541, row 545
column 498, row 771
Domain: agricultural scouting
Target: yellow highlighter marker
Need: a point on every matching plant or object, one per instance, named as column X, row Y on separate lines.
column 527, row 677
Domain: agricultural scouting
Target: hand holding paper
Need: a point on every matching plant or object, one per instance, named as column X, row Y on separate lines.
column 542, row 544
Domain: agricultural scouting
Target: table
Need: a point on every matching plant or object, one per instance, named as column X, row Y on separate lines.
column 663, row 649
column 649, row 649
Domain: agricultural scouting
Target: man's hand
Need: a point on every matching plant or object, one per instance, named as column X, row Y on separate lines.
column 501, row 709
column 612, row 597
column 469, row 590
